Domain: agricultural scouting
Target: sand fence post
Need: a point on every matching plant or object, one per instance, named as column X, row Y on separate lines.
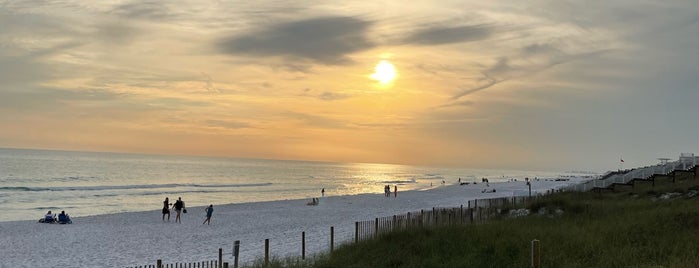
column 267, row 252
column 220, row 257
column 159, row 263
column 376, row 227
column 225, row 265
column 409, row 222
column 303, row 245
column 236, row 253
column 536, row 258
column 356, row 232
column 332, row 238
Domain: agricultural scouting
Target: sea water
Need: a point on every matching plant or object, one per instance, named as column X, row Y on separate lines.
column 90, row 183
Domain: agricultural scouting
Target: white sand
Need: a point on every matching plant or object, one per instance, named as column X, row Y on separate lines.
column 140, row 238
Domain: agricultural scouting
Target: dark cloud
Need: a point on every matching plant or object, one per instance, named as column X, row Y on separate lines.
column 448, row 35
column 489, row 82
column 327, row 40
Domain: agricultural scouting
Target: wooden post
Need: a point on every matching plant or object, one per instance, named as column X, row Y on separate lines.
column 159, row 263
column 422, row 217
column 236, row 253
column 356, row 232
column 267, row 252
column 225, row 265
column 395, row 222
column 303, row 245
column 220, row 257
column 332, row 238
column 376, row 227
column 536, row 258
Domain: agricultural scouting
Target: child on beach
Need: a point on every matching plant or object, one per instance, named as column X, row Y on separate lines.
column 209, row 211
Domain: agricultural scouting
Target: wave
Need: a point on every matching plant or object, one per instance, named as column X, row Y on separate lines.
column 128, row 187
column 400, row 181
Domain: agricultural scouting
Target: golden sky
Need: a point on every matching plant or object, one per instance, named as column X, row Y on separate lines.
column 547, row 85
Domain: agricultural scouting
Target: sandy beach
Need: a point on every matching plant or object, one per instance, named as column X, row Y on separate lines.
column 140, row 238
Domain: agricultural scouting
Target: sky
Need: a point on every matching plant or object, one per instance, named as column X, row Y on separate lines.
column 530, row 85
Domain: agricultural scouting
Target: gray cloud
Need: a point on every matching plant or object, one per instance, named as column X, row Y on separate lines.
column 328, row 40
column 502, row 70
column 150, row 10
column 448, row 35
column 489, row 82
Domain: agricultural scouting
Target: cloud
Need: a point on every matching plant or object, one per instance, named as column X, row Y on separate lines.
column 327, row 40
column 331, row 96
column 149, row 10
column 448, row 35
column 227, row 124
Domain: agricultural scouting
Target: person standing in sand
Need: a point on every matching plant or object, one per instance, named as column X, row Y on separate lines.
column 322, row 193
column 395, row 191
column 166, row 209
column 179, row 205
column 209, row 211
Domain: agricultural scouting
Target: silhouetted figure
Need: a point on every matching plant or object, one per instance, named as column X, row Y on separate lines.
column 179, row 205
column 209, row 211
column 166, row 209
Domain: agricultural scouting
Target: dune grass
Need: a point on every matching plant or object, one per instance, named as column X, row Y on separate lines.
column 632, row 227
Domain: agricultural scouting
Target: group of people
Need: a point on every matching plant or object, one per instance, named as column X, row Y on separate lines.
column 62, row 218
column 179, row 208
column 387, row 190
column 315, row 201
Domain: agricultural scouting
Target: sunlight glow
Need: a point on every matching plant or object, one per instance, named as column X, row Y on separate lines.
column 384, row 72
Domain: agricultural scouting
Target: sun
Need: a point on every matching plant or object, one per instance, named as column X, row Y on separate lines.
column 384, row 72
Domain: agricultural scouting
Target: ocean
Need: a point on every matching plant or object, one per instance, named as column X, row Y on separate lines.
column 92, row 183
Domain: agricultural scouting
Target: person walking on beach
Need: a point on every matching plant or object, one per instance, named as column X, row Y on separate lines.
column 395, row 191
column 179, row 205
column 322, row 192
column 209, row 211
column 166, row 209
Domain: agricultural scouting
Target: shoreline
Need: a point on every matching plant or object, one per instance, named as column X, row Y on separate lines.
column 140, row 238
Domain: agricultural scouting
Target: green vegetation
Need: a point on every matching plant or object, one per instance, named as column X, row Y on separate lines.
column 631, row 227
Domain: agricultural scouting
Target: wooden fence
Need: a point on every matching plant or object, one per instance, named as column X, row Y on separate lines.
column 202, row 264
column 477, row 211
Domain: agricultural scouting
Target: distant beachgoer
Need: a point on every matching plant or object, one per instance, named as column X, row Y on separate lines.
column 179, row 205
column 387, row 190
column 322, row 192
column 314, row 202
column 63, row 218
column 49, row 217
column 209, row 211
column 395, row 191
column 166, row 209
column 459, row 180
